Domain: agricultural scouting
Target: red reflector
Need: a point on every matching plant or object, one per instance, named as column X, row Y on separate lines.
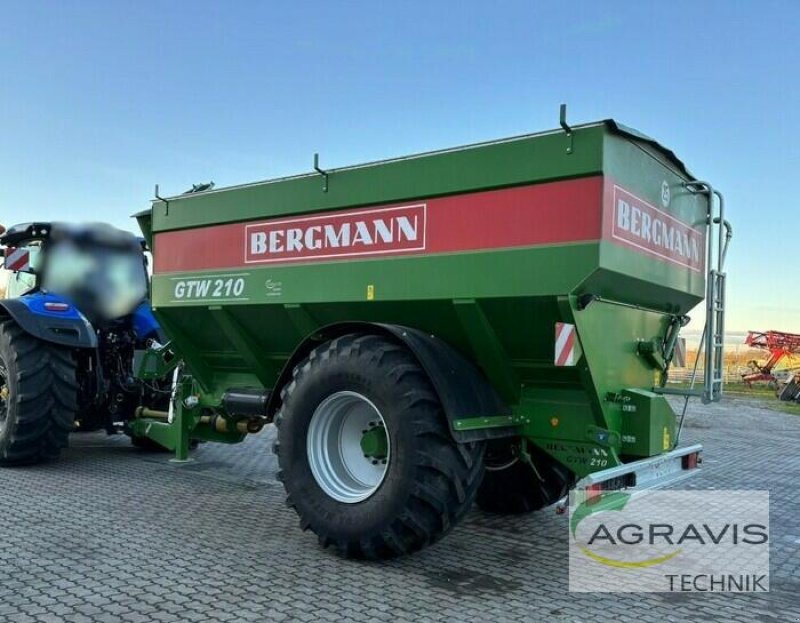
column 56, row 307
column 593, row 493
column 690, row 461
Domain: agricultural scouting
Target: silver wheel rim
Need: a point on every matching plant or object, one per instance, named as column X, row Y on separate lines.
column 334, row 446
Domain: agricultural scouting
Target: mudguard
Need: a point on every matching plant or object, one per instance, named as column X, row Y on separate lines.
column 145, row 324
column 462, row 388
column 67, row 326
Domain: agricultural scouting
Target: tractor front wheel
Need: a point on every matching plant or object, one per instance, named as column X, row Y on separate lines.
column 365, row 453
column 38, row 397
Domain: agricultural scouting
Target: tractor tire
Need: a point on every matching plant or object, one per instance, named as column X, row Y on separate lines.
column 790, row 391
column 512, row 487
column 40, row 388
column 365, row 451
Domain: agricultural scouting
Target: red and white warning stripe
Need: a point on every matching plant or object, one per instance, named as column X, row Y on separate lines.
column 17, row 259
column 566, row 344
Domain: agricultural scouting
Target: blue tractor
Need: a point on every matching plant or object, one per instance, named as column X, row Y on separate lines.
column 75, row 311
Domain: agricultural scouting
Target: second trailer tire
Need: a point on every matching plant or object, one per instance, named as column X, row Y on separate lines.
column 365, row 452
column 513, row 487
column 38, row 397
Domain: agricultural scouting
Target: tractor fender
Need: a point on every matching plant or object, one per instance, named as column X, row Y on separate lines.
column 461, row 387
column 66, row 328
column 145, row 324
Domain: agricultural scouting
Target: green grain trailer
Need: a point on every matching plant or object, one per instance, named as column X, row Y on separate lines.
column 491, row 322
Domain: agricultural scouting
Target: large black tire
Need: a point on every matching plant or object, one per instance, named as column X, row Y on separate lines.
column 430, row 481
column 790, row 391
column 41, row 388
column 511, row 486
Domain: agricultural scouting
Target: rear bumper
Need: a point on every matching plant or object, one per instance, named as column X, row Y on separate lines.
column 639, row 476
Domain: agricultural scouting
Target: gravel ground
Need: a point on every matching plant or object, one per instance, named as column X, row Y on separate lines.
column 111, row 534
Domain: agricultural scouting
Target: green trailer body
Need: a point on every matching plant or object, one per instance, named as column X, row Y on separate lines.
column 561, row 265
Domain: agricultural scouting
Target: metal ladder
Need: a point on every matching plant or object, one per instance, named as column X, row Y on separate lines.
column 715, row 337
column 713, row 340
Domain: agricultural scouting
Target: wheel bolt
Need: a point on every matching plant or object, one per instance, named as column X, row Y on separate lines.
column 374, row 462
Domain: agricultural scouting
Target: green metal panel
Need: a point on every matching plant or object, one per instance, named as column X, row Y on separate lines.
column 525, row 272
column 492, row 165
column 643, row 171
column 648, row 423
column 629, row 277
column 496, row 304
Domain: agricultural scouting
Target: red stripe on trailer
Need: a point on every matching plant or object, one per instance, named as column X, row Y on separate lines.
column 17, row 259
column 551, row 213
column 565, row 344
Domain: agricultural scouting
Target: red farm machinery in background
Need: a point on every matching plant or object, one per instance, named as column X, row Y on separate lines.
column 779, row 345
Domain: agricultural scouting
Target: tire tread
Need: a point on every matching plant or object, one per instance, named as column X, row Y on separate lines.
column 45, row 402
column 448, row 474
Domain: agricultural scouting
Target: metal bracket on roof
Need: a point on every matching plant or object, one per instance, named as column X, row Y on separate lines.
column 160, row 198
column 322, row 172
column 563, row 121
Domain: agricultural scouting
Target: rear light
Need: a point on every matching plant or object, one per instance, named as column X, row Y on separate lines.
column 690, row 461
column 56, row 307
column 593, row 493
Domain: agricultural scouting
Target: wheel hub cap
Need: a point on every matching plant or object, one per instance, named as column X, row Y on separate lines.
column 374, row 443
column 348, row 448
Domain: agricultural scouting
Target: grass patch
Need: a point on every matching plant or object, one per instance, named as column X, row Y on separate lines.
column 733, row 388
column 784, row 407
column 760, row 390
column 762, row 393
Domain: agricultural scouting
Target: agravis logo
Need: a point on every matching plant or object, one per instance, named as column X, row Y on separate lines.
column 612, row 501
column 669, row 540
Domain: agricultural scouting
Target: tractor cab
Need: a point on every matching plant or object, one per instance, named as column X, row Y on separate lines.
column 100, row 269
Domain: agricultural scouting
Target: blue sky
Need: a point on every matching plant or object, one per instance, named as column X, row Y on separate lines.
column 101, row 100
